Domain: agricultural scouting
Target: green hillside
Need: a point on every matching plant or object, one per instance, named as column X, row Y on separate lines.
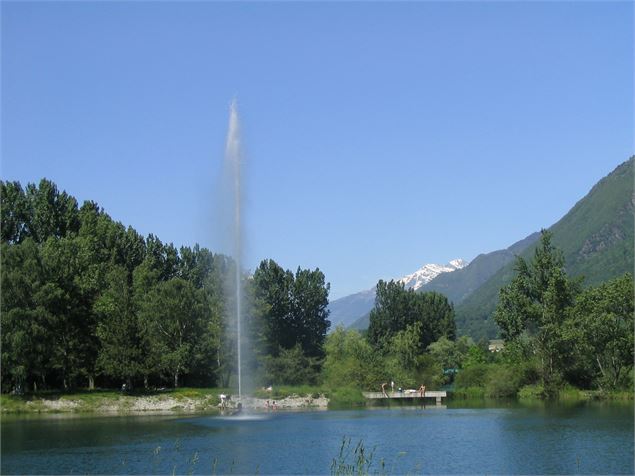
column 459, row 284
column 596, row 237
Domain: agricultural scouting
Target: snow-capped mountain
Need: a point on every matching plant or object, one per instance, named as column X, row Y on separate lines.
column 428, row 272
column 348, row 309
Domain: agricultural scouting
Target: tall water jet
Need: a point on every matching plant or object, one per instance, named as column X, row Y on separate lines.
column 233, row 160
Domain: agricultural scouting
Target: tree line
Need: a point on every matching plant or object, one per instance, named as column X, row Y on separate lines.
column 556, row 334
column 86, row 301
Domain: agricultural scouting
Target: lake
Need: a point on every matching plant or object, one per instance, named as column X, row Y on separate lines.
column 584, row 438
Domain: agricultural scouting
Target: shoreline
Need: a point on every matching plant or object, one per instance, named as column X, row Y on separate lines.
column 161, row 404
column 190, row 401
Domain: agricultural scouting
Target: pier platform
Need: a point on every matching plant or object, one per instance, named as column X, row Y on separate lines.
column 438, row 395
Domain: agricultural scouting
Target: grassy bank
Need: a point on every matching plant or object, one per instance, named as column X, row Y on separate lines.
column 536, row 392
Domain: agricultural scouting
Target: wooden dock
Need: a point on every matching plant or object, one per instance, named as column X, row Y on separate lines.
column 437, row 395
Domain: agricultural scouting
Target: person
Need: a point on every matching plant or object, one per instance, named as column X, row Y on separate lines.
column 422, row 390
column 383, row 389
column 223, row 402
column 392, row 386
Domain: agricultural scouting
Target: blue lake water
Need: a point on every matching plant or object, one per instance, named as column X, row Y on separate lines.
column 585, row 438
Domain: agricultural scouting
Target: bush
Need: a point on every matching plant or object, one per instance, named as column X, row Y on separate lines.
column 532, row 392
column 503, row 382
column 346, row 397
column 474, row 376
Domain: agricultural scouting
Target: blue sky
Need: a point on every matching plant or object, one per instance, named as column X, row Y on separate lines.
column 378, row 136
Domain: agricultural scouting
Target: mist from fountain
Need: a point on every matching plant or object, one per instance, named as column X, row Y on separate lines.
column 233, row 165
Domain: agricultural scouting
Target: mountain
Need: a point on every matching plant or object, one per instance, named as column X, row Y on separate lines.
column 458, row 285
column 350, row 308
column 596, row 237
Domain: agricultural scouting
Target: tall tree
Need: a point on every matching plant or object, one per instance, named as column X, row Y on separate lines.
column 273, row 293
column 603, row 321
column 396, row 308
column 535, row 303
column 27, row 345
column 172, row 317
column 118, row 330
column 310, row 299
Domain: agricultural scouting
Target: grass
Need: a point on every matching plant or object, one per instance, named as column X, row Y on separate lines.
column 468, row 393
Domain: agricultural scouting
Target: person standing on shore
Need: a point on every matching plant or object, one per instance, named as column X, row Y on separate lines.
column 383, row 389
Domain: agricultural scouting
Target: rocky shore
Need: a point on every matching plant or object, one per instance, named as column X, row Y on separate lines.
column 159, row 404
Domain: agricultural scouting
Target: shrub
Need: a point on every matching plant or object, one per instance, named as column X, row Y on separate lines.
column 474, row 376
column 346, row 397
column 531, row 392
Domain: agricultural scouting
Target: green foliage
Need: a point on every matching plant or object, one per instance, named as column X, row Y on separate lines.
column 536, row 303
column 397, row 308
column 351, row 361
column 602, row 326
column 503, row 381
column 475, row 355
column 74, row 282
column 171, row 318
column 118, row 328
column 532, row 392
column 293, row 308
column 291, row 367
column 291, row 320
column 596, row 239
column 346, row 397
column 473, row 376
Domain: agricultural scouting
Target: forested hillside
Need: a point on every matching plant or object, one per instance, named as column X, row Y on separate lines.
column 595, row 236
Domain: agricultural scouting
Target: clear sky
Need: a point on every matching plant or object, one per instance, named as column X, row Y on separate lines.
column 379, row 136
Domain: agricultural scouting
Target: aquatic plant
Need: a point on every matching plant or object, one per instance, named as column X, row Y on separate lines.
column 357, row 461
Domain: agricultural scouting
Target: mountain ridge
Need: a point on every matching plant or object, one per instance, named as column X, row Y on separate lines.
column 595, row 236
column 347, row 309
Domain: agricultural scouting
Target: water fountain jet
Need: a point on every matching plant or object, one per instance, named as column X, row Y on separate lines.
column 233, row 162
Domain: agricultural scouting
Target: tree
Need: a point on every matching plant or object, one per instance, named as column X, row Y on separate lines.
column 350, row 361
column 536, row 303
column 50, row 213
column 118, row 331
column 293, row 308
column 172, row 318
column 272, row 288
column 396, row 308
column 26, row 331
column 291, row 367
column 68, row 299
column 603, row 321
column 310, row 299
column 14, row 213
